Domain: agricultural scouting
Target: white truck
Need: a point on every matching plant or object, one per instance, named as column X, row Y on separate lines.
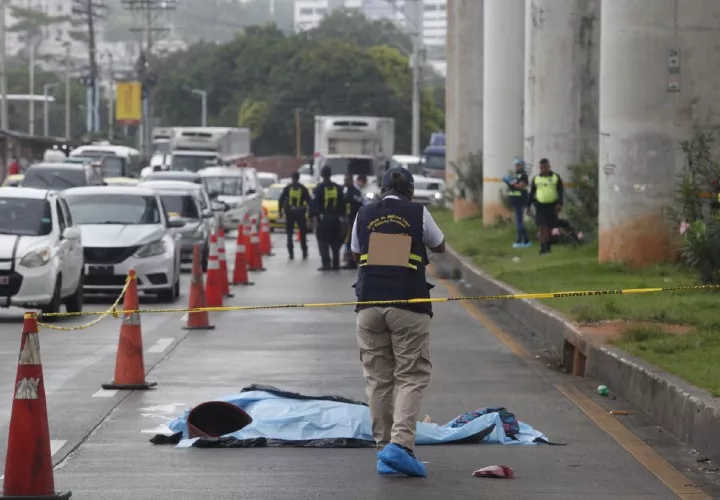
column 357, row 144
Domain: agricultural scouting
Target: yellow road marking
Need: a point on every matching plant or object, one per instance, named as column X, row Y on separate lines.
column 644, row 454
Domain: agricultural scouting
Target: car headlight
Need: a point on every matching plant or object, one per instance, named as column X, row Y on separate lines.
column 36, row 258
column 151, row 249
column 437, row 196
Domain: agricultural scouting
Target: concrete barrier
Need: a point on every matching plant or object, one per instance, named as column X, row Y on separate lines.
column 690, row 414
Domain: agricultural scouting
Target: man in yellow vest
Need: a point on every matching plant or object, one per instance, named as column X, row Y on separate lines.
column 546, row 193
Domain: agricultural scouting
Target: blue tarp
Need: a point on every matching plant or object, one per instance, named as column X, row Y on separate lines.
column 287, row 417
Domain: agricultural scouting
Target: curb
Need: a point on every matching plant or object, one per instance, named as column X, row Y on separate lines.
column 689, row 413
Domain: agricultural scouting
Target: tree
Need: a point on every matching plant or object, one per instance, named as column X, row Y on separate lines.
column 351, row 25
column 34, row 25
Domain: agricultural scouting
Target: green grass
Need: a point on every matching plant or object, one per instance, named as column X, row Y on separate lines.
column 692, row 356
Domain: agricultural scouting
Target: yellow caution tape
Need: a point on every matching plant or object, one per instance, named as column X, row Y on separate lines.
column 103, row 314
column 546, row 295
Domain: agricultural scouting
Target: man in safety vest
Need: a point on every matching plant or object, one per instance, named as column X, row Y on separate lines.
column 329, row 208
column 518, row 194
column 294, row 201
column 546, row 193
column 353, row 201
column 388, row 241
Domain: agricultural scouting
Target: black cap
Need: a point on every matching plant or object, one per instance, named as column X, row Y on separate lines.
column 544, row 161
column 326, row 172
column 295, row 176
column 398, row 179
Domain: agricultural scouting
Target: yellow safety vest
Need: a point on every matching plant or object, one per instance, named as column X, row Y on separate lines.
column 330, row 193
column 294, row 196
column 517, row 192
column 546, row 190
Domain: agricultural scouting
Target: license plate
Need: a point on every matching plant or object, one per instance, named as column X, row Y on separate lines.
column 4, row 280
column 101, row 270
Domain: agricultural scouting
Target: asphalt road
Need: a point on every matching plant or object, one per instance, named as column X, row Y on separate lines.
column 100, row 438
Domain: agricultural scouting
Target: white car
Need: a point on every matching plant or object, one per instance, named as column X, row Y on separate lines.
column 41, row 255
column 428, row 190
column 236, row 188
column 127, row 228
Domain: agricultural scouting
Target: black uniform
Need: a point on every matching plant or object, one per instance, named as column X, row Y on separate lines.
column 329, row 207
column 294, row 201
column 353, row 202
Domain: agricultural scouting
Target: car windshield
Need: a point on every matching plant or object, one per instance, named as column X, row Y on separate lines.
column 266, row 182
column 161, row 148
column 224, row 186
column 114, row 209
column 25, row 217
column 114, row 166
column 435, row 162
column 273, row 193
column 356, row 166
column 191, row 163
column 97, row 153
column 429, row 186
column 54, row 178
column 181, row 204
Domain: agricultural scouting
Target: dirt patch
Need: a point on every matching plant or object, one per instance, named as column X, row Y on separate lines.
column 605, row 331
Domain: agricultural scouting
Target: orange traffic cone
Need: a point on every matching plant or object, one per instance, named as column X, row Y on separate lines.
column 297, row 235
column 213, row 286
column 256, row 254
column 129, row 364
column 222, row 257
column 240, row 272
column 197, row 320
column 265, row 239
column 28, row 464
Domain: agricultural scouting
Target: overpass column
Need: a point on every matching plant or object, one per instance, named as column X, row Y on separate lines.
column 562, row 64
column 504, row 36
column 451, row 96
column 469, row 19
column 646, row 107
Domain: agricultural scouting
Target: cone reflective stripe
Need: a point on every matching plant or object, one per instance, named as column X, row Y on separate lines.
column 265, row 239
column 130, row 365
column 213, row 285
column 223, row 264
column 249, row 248
column 240, row 272
column 197, row 320
column 28, row 463
column 255, row 263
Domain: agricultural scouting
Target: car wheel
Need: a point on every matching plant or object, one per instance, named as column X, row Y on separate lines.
column 74, row 303
column 54, row 305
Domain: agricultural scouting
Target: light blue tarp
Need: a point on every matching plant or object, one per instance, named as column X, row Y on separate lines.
column 282, row 418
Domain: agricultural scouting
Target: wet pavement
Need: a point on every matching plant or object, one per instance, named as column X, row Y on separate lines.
column 101, row 439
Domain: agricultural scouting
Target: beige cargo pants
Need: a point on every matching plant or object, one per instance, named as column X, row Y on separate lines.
column 395, row 353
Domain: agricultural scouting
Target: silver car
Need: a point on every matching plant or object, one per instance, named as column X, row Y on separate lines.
column 183, row 200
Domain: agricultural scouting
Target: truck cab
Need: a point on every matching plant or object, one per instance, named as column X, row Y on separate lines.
column 434, row 157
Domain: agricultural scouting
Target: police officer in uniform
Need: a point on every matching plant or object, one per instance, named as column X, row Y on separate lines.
column 329, row 208
column 546, row 193
column 294, row 202
column 353, row 201
column 518, row 194
column 394, row 340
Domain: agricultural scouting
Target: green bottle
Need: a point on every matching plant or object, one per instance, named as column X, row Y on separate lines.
column 602, row 390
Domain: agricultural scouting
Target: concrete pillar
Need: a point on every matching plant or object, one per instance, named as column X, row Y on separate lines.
column 562, row 65
column 503, row 91
column 451, row 58
column 643, row 115
column 469, row 19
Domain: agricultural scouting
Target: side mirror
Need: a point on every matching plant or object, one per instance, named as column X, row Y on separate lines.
column 214, row 195
column 175, row 222
column 157, row 168
column 251, row 191
column 207, row 214
column 71, row 233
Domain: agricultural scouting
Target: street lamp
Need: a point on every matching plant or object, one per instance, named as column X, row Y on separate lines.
column 203, row 97
column 46, row 122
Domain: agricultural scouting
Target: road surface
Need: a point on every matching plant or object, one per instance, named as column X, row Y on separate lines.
column 100, row 438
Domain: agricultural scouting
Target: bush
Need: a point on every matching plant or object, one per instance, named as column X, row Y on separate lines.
column 694, row 211
column 581, row 205
column 469, row 171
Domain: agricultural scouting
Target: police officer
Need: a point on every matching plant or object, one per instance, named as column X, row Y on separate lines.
column 294, row 201
column 353, row 201
column 394, row 340
column 546, row 193
column 517, row 192
column 329, row 208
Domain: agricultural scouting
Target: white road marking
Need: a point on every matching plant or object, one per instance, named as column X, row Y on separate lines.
column 56, row 379
column 104, row 393
column 55, row 445
column 161, row 345
column 184, row 318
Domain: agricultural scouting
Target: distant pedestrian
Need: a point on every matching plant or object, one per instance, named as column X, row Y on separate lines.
column 518, row 193
column 546, row 194
column 14, row 167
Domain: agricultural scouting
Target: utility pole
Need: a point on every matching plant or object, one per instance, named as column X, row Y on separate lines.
column 31, row 117
column 417, row 61
column 3, row 86
column 151, row 11
column 67, row 90
column 111, row 97
column 298, row 131
column 46, row 108
column 89, row 10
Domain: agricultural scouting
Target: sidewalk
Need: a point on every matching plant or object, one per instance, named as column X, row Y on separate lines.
column 313, row 351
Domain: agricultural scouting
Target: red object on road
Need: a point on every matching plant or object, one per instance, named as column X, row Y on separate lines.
column 495, row 471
